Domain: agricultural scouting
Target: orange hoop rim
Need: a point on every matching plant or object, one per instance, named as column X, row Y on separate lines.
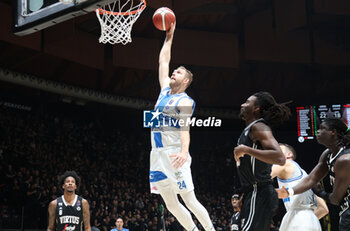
column 100, row 11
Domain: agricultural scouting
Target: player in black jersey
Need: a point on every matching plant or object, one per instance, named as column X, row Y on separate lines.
column 69, row 212
column 335, row 160
column 236, row 204
column 257, row 150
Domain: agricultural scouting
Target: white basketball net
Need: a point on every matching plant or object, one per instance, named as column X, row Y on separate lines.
column 116, row 20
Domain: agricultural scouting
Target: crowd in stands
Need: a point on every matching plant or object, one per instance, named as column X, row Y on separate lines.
column 37, row 146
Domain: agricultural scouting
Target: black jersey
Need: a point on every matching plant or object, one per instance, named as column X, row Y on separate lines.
column 251, row 170
column 344, row 205
column 235, row 221
column 69, row 217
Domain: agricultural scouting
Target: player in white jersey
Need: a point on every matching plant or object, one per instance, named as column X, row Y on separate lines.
column 303, row 210
column 170, row 161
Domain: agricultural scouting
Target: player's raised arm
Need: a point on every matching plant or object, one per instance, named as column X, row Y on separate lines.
column 52, row 215
column 164, row 58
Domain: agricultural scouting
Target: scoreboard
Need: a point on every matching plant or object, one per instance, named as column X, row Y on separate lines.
column 310, row 117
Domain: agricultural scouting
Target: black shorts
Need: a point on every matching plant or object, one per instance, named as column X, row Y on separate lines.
column 344, row 222
column 259, row 206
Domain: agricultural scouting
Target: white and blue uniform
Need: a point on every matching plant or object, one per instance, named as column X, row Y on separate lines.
column 300, row 208
column 165, row 141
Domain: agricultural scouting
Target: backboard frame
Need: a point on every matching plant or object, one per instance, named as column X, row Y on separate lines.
column 25, row 23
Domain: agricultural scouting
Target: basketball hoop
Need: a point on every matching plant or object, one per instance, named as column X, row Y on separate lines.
column 116, row 20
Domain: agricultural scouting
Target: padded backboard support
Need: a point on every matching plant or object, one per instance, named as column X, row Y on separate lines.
column 51, row 13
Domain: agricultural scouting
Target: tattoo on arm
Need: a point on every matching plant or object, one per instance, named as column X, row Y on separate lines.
column 86, row 215
column 52, row 215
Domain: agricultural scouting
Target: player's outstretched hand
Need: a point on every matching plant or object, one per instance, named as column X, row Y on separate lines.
column 179, row 159
column 171, row 30
column 282, row 192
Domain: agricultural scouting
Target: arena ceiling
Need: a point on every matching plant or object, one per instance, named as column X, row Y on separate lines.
column 298, row 50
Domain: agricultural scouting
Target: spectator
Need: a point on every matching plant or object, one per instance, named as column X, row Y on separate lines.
column 119, row 225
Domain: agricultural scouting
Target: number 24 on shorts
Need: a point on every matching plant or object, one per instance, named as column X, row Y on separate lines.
column 181, row 185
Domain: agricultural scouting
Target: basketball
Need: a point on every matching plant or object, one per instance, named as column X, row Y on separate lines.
column 162, row 18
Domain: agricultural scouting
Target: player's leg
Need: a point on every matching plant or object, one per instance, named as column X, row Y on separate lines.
column 197, row 209
column 258, row 208
column 178, row 210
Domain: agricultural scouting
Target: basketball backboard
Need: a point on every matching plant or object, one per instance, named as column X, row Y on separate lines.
column 33, row 15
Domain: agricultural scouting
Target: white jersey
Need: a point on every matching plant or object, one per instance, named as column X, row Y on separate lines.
column 300, row 208
column 168, row 133
column 306, row 200
column 165, row 141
